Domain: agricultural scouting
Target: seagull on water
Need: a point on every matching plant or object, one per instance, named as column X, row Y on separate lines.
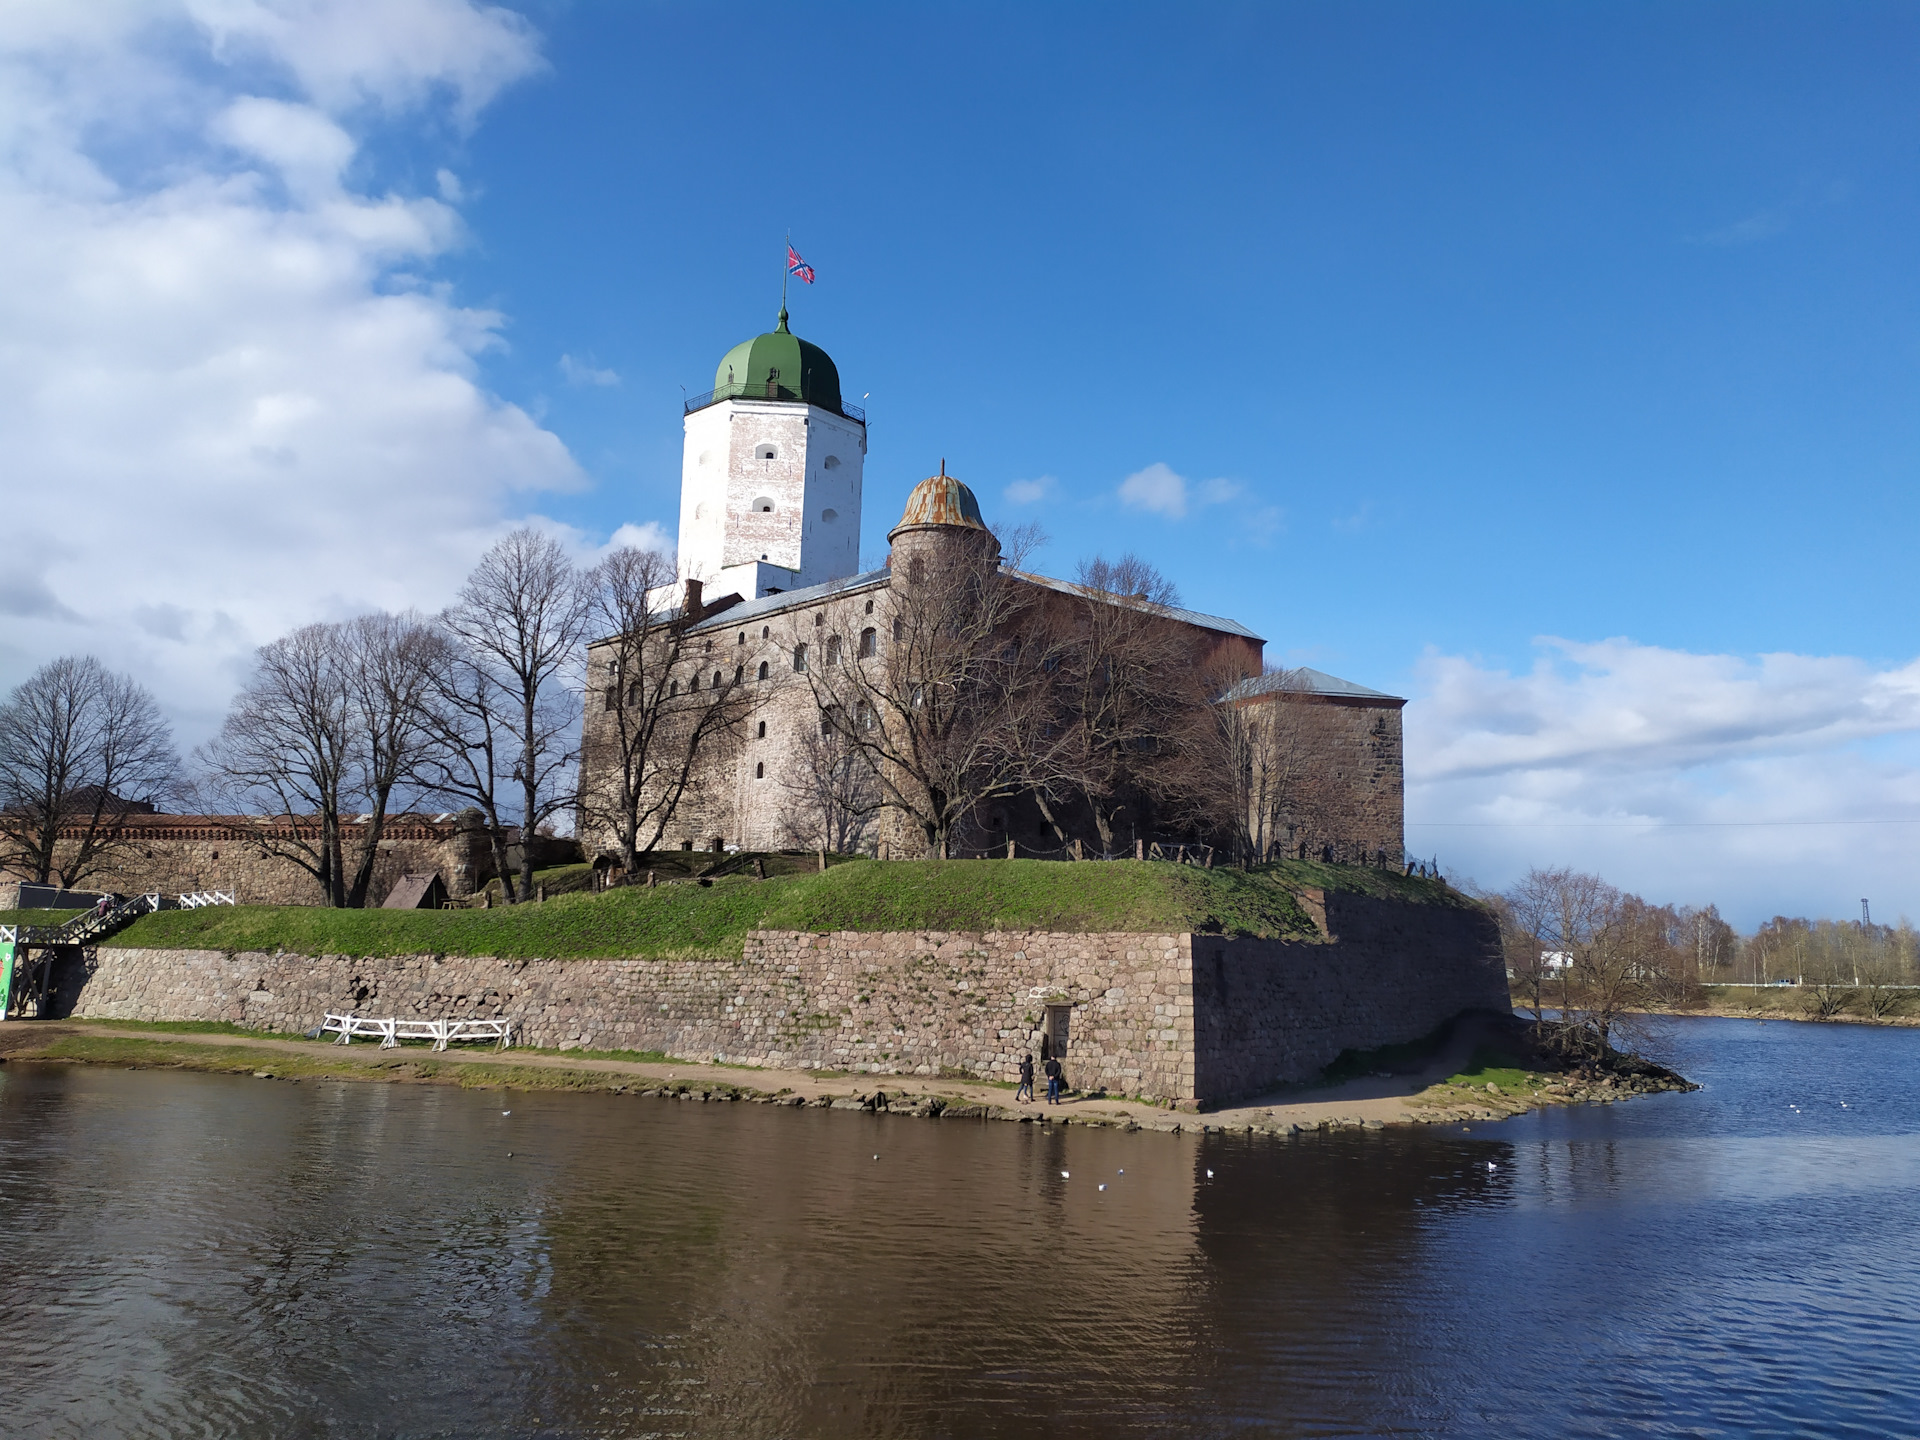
column 1209, row 1174
column 1064, row 1175
column 1103, row 1187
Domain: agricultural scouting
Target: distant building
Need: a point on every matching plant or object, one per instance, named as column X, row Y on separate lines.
column 770, row 511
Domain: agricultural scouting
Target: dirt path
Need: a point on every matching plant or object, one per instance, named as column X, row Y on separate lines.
column 1371, row 1103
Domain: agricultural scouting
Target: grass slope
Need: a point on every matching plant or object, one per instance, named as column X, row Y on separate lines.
column 694, row 920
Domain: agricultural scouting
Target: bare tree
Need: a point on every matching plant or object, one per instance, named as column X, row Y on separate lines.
column 666, row 709
column 1119, row 702
column 831, row 792
column 936, row 689
column 77, row 742
column 332, row 723
column 520, row 621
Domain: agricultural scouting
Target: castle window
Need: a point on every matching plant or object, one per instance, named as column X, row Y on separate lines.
column 819, row 618
column 763, row 671
column 899, row 629
column 716, row 679
column 760, row 771
column 764, row 452
column 763, row 731
column 800, row 658
column 743, row 638
column 833, row 650
column 693, row 684
column 633, row 692
column 739, row 673
column 832, row 462
column 863, row 715
column 829, row 515
column 686, row 844
column 764, row 505
column 673, row 687
column 916, row 570
column 869, row 642
column 869, row 607
column 765, row 631
column 613, row 697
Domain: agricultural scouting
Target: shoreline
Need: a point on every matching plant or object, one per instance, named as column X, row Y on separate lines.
column 1433, row 1096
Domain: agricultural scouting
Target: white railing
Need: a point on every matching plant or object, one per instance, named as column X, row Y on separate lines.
column 392, row 1031
column 200, row 898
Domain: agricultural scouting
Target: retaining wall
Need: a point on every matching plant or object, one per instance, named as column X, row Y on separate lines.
column 1186, row 1018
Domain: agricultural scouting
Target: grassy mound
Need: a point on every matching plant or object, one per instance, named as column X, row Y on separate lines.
column 696, row 920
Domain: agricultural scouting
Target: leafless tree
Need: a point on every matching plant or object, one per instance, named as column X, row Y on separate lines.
column 519, row 624
column 665, row 708
column 77, row 742
column 935, row 690
column 331, row 725
column 831, row 793
column 1119, row 703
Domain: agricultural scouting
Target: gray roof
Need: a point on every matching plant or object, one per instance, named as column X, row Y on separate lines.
column 789, row 599
column 1172, row 612
column 1303, row 681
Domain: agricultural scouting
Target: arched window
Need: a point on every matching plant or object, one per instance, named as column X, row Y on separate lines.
column 739, row 673
column 763, row 731
column 829, row 515
column 763, row 505
column 899, row 628
column 832, row 462
column 869, row 642
column 693, row 684
column 743, row 638
column 833, row 650
column 765, row 631
column 633, row 692
column 613, row 698
column 800, row 657
column 869, row 607
column 764, row 452
column 916, row 570
column 760, row 771
column 716, row 679
column 763, row 671
column 819, row 619
column 673, row 687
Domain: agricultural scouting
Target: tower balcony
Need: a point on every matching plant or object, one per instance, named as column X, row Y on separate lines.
column 771, row 390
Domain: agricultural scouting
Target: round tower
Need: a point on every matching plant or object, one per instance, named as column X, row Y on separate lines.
column 940, row 528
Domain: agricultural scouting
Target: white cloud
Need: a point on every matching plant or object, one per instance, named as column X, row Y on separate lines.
column 1160, row 490
column 579, row 372
column 1763, row 783
column 233, row 397
column 650, row 536
column 1029, row 492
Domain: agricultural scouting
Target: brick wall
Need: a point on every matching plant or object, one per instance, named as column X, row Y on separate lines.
column 1170, row 1017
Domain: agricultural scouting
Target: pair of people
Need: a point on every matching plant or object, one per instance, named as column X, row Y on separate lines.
column 1056, row 1079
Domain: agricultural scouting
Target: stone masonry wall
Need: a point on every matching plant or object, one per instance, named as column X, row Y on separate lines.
column 1145, row 1018
column 1390, row 972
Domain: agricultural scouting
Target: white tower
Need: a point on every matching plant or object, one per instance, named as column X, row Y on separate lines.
column 770, row 478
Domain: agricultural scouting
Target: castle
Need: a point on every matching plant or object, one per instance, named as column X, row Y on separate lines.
column 770, row 615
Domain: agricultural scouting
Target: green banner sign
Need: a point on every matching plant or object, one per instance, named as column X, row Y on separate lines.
column 6, row 975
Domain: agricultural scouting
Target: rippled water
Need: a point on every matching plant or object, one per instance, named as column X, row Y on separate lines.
column 198, row 1255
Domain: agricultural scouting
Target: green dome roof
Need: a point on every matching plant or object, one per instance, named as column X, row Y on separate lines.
column 779, row 366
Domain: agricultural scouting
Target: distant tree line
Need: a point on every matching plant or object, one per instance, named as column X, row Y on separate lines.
column 1601, row 957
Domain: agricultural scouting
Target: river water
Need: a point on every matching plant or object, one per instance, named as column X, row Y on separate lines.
column 187, row 1255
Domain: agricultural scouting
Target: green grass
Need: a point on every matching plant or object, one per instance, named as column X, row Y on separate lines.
column 37, row 917
column 188, row 1027
column 686, row 920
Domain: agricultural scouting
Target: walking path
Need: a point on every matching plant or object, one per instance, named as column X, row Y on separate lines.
column 1369, row 1103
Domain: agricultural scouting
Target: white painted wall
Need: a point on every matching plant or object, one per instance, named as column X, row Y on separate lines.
column 779, row 520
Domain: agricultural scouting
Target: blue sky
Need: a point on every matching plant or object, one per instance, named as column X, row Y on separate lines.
column 1554, row 366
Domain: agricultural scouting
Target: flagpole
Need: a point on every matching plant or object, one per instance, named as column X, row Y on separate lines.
column 785, row 267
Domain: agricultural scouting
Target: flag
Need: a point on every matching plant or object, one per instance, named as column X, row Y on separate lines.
column 797, row 266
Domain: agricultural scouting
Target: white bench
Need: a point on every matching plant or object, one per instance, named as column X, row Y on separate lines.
column 392, row 1031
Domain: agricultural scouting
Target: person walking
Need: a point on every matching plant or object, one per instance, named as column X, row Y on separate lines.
column 1053, row 1080
column 1025, row 1093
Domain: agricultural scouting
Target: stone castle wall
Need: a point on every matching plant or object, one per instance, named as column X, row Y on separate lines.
column 176, row 854
column 1183, row 1018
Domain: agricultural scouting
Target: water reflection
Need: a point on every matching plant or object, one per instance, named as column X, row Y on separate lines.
column 220, row 1256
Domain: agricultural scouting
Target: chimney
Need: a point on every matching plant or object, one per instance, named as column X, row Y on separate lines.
column 690, row 610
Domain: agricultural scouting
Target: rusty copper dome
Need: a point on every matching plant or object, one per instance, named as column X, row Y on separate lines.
column 940, row 500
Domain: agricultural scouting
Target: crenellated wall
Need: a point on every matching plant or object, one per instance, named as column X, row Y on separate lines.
column 1192, row 1019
